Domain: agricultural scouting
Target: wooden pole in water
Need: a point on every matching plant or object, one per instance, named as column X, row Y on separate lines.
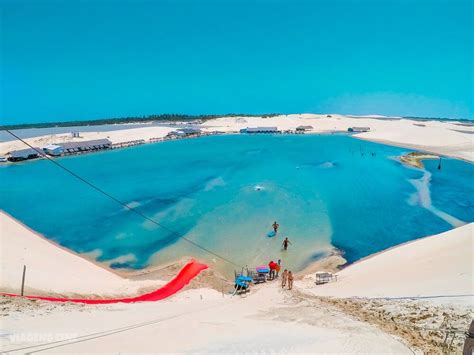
column 23, row 280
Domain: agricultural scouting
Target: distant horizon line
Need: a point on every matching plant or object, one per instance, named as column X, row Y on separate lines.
column 166, row 117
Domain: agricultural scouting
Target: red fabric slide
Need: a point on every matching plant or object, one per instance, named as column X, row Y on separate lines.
column 185, row 275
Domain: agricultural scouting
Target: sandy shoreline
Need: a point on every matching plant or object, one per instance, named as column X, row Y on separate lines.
column 114, row 283
column 439, row 151
column 437, row 137
column 73, row 272
column 32, row 249
column 53, row 269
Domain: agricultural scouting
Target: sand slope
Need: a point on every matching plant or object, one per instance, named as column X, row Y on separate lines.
column 270, row 320
column 437, row 268
column 54, row 270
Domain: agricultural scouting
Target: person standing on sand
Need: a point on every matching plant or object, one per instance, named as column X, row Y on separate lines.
column 285, row 243
column 272, row 266
column 284, row 276
column 275, row 227
column 290, row 280
column 277, row 268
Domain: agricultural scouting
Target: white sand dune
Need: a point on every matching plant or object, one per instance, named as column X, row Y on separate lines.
column 438, row 268
column 200, row 320
column 52, row 269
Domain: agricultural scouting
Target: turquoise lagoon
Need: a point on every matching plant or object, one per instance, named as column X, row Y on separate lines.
column 327, row 192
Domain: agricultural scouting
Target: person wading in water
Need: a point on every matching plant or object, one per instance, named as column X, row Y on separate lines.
column 275, row 227
column 285, row 243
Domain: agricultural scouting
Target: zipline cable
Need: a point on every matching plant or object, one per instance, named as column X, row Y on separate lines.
column 105, row 193
column 103, row 333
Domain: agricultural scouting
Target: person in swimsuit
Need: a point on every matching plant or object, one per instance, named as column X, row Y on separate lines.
column 290, row 280
column 284, row 276
column 275, row 227
column 285, row 243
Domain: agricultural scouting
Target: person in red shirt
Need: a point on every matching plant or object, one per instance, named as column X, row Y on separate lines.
column 272, row 266
column 277, row 268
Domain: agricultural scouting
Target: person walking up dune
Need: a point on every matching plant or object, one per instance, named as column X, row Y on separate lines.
column 290, row 280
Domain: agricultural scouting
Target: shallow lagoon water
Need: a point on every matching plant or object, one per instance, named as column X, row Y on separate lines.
column 224, row 193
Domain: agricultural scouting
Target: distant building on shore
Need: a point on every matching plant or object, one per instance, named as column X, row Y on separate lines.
column 253, row 130
column 53, row 149
column 358, row 129
column 59, row 149
column 24, row 154
column 304, row 128
column 185, row 132
column 76, row 147
column 190, row 131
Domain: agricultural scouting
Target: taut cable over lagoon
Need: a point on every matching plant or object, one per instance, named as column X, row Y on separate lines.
column 130, row 208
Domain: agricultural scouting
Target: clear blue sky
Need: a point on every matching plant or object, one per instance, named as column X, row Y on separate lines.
column 67, row 59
